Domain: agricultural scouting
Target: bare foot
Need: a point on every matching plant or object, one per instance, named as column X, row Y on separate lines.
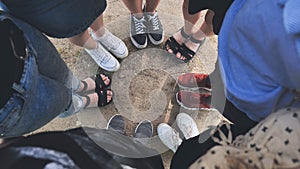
column 179, row 38
column 91, row 85
column 192, row 46
column 94, row 99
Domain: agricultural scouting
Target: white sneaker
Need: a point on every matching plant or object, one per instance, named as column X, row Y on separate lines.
column 103, row 58
column 112, row 43
column 187, row 125
column 169, row 136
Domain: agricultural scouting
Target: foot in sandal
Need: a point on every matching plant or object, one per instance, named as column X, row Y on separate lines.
column 96, row 82
column 174, row 43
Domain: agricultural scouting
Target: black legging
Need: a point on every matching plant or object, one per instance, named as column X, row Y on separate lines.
column 190, row 150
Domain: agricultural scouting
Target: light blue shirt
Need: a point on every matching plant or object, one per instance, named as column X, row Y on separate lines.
column 259, row 51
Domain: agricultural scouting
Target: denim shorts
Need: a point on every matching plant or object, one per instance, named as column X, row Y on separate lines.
column 57, row 18
column 45, row 88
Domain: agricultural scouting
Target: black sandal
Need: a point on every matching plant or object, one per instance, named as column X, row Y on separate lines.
column 99, row 83
column 187, row 53
column 173, row 44
column 102, row 98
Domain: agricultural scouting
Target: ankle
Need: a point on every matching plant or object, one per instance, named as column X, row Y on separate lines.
column 138, row 15
column 100, row 32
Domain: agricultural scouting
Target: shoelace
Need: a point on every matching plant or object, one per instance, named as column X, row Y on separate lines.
column 155, row 21
column 140, row 28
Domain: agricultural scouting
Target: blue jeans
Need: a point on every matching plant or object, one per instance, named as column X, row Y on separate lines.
column 44, row 91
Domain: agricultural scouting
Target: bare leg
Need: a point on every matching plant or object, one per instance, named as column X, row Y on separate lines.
column 135, row 7
column 98, row 26
column 151, row 5
column 189, row 22
column 206, row 29
column 84, row 40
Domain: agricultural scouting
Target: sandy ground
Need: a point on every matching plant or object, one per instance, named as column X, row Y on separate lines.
column 145, row 85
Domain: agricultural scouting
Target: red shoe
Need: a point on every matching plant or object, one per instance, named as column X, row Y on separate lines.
column 193, row 101
column 194, row 81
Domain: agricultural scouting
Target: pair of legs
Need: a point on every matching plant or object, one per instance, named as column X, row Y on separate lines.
column 84, row 39
column 136, row 6
column 206, row 29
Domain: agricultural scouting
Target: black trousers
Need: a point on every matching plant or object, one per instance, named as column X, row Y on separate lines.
column 190, row 150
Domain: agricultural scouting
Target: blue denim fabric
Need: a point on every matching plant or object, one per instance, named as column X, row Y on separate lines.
column 45, row 89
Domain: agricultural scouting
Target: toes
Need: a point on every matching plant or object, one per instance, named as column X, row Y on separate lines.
column 170, row 51
column 105, row 79
column 109, row 95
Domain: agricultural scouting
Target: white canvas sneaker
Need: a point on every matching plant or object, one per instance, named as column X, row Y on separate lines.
column 169, row 136
column 103, row 58
column 112, row 43
column 187, row 125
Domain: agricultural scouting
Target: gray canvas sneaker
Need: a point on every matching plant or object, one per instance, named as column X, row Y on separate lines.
column 154, row 28
column 138, row 32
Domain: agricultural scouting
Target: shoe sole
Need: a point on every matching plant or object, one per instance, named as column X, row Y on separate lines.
column 194, row 88
column 137, row 45
column 135, row 130
column 190, row 108
column 154, row 42
column 122, row 56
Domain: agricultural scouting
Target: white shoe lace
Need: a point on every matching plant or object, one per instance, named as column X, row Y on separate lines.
column 154, row 20
column 140, row 28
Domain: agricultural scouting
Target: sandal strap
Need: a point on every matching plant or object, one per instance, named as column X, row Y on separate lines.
column 88, row 101
column 192, row 39
column 85, row 86
column 102, row 97
column 187, row 53
column 173, row 44
column 99, row 82
column 183, row 34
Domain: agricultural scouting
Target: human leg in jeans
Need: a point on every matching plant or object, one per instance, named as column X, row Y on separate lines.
column 191, row 149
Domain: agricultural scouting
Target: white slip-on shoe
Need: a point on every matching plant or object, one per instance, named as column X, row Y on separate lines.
column 187, row 125
column 103, row 58
column 169, row 136
column 112, row 43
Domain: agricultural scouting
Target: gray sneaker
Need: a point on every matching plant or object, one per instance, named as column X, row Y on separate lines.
column 116, row 123
column 187, row 125
column 143, row 130
column 155, row 29
column 112, row 43
column 169, row 136
column 103, row 58
column 138, row 32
